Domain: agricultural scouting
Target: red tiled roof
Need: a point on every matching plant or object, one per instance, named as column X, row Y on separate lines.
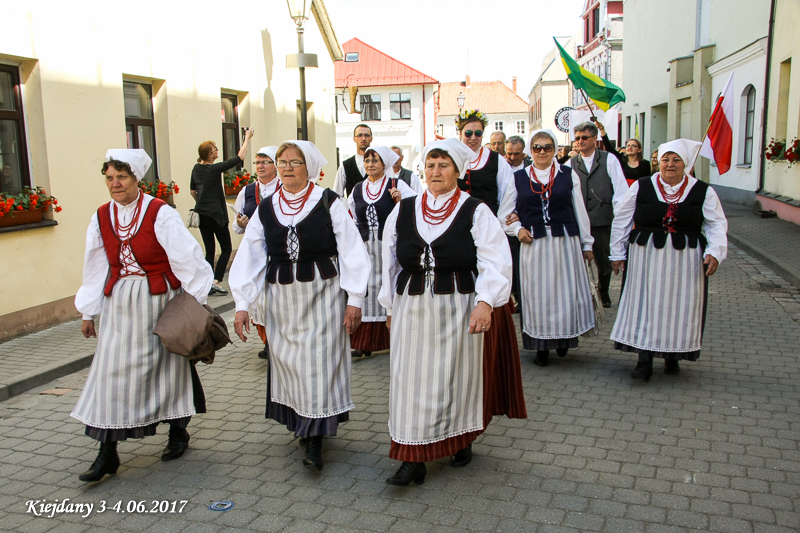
column 488, row 96
column 374, row 68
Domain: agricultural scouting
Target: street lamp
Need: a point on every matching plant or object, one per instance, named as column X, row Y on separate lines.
column 460, row 101
column 298, row 10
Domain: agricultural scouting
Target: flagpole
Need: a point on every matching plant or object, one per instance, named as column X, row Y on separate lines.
column 708, row 128
column 586, row 99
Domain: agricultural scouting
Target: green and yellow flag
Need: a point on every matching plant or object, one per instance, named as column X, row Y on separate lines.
column 602, row 92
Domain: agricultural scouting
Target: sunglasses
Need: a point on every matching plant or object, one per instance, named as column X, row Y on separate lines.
column 536, row 148
column 583, row 137
column 468, row 133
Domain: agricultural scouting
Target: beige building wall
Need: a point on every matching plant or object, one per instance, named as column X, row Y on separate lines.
column 73, row 61
column 783, row 113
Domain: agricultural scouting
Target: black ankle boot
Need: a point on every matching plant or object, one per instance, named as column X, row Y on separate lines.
column 407, row 473
column 562, row 352
column 462, row 457
column 671, row 367
column 542, row 358
column 264, row 354
column 177, row 443
column 313, row 458
column 107, row 462
column 643, row 370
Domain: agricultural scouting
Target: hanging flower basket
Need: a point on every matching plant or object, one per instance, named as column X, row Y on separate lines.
column 26, row 207
column 236, row 181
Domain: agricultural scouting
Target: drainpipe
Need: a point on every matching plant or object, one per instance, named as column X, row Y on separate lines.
column 770, row 34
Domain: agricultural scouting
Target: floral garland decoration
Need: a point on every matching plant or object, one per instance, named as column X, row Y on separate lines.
column 466, row 114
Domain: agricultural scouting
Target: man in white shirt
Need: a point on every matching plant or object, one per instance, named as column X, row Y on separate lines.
column 351, row 171
column 604, row 188
column 514, row 153
column 497, row 142
column 411, row 178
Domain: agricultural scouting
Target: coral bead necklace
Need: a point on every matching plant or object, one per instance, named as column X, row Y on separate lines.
column 435, row 217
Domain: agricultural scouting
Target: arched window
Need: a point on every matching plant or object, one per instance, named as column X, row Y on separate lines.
column 748, row 123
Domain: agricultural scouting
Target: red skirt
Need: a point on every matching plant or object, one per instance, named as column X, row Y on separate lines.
column 370, row 337
column 502, row 391
column 262, row 332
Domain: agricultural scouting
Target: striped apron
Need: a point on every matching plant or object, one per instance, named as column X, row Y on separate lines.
column 371, row 310
column 556, row 302
column 310, row 348
column 661, row 309
column 134, row 381
column 436, row 387
column 258, row 309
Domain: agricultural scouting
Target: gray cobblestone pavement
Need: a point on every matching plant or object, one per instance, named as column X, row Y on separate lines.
column 714, row 448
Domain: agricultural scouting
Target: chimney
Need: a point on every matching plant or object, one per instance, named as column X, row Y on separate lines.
column 514, row 84
column 467, row 79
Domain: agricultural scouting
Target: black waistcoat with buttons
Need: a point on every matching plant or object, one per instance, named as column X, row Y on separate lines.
column 455, row 257
column 482, row 183
column 315, row 238
column 383, row 207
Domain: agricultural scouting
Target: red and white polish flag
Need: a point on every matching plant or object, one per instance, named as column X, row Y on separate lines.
column 718, row 144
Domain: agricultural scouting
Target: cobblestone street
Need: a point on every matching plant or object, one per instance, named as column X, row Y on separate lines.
column 714, row 448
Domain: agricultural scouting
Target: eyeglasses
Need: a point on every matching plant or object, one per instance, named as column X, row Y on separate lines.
column 372, row 161
column 583, row 137
column 536, row 148
column 363, row 135
column 263, row 162
column 478, row 133
column 294, row 163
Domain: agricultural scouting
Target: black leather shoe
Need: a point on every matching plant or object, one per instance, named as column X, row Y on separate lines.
column 562, row 351
column 605, row 298
column 542, row 358
column 358, row 355
column 107, row 462
column 671, row 367
column 313, row 458
column 462, row 457
column 407, row 473
column 264, row 354
column 643, row 371
column 177, row 443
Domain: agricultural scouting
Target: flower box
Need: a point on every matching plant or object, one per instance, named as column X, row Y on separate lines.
column 233, row 191
column 15, row 218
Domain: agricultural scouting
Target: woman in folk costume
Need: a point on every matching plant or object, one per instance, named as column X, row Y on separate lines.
column 446, row 266
column 138, row 257
column 553, row 228
column 246, row 203
column 679, row 239
column 486, row 177
column 304, row 244
column 370, row 203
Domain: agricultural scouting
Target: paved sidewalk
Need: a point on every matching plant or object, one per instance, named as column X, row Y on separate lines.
column 32, row 360
column 714, row 448
column 773, row 241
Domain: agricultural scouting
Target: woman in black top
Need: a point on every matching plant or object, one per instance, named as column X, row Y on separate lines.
column 632, row 164
column 209, row 193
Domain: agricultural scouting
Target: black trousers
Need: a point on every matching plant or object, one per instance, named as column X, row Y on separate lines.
column 602, row 249
column 210, row 229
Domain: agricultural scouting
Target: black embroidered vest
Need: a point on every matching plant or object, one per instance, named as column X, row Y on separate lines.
column 382, row 207
column 352, row 175
column 650, row 213
column 560, row 211
column 455, row 257
column 315, row 240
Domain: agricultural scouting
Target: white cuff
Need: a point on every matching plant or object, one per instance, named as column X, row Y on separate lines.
column 88, row 317
column 354, row 301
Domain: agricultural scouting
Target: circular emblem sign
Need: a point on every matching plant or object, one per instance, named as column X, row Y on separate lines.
column 562, row 118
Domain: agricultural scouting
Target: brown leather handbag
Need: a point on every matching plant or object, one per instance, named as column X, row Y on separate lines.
column 191, row 330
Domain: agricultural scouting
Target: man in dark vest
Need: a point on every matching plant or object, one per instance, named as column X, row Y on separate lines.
column 411, row 178
column 514, row 156
column 603, row 187
column 351, row 172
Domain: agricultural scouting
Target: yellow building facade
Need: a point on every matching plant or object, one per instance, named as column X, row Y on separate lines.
column 78, row 69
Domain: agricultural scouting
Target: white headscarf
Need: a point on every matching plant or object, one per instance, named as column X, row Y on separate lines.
column 314, row 158
column 137, row 158
column 460, row 152
column 268, row 151
column 388, row 156
column 527, row 149
column 686, row 149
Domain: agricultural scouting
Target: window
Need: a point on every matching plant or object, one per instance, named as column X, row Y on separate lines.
column 520, row 127
column 230, row 127
column 498, row 126
column 370, row 107
column 140, row 127
column 595, row 21
column 440, row 129
column 400, row 105
column 749, row 108
column 351, row 57
column 13, row 151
